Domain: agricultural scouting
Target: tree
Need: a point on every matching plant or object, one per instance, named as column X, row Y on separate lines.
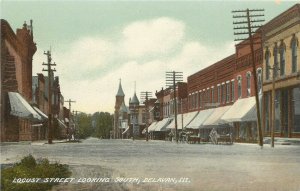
column 84, row 127
column 102, row 123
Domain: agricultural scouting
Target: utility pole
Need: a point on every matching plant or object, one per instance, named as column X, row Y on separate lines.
column 145, row 95
column 70, row 112
column 171, row 80
column 247, row 17
column 50, row 73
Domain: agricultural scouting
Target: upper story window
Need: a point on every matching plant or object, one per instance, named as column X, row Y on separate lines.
column 219, row 93
column 248, row 77
column 204, row 98
column 223, row 93
column 200, row 99
column 275, row 53
column 239, row 81
column 197, row 99
column 232, row 90
column 259, row 80
column 212, row 94
column 282, row 58
column 267, row 67
column 227, row 92
column 294, row 46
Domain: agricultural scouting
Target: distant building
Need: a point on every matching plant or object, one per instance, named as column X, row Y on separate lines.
column 118, row 113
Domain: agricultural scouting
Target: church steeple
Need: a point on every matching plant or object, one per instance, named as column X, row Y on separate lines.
column 134, row 99
column 120, row 92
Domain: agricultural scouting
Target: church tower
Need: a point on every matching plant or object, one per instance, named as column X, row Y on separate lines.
column 119, row 100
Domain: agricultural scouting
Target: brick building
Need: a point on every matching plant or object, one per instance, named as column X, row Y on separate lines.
column 166, row 110
column 17, row 116
column 218, row 91
column 281, row 63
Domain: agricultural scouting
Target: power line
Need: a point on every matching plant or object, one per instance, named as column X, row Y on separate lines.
column 247, row 23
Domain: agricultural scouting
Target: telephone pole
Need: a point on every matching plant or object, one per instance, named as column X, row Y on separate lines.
column 247, row 23
column 70, row 112
column 50, row 73
column 144, row 96
column 171, row 80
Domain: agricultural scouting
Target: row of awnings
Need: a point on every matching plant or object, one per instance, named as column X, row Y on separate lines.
column 21, row 108
column 243, row 110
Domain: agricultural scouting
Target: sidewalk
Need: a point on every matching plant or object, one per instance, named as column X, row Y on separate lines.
column 39, row 142
column 282, row 141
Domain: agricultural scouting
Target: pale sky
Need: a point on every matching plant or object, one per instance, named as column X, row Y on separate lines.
column 95, row 43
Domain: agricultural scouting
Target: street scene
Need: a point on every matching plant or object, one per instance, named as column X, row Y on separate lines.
column 206, row 166
column 167, row 95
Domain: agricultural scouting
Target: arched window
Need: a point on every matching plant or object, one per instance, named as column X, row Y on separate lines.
column 267, row 58
column 294, row 45
column 259, row 81
column 239, row 80
column 248, row 77
column 275, row 54
column 282, row 58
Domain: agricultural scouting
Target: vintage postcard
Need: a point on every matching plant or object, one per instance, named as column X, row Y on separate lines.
column 150, row 95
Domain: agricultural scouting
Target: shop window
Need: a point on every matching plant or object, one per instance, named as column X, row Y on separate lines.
column 296, row 109
column 294, row 54
column 282, row 59
column 267, row 112
column 277, row 111
column 248, row 78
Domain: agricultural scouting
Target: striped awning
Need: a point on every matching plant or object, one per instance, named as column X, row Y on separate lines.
column 215, row 117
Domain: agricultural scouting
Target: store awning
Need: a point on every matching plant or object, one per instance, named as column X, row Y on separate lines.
column 241, row 110
column 152, row 126
column 61, row 124
column 200, row 118
column 21, row 108
column 215, row 117
column 125, row 131
column 40, row 112
column 161, row 125
column 179, row 122
column 182, row 120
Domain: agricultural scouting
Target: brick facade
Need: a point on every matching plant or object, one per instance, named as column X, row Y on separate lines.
column 17, row 50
